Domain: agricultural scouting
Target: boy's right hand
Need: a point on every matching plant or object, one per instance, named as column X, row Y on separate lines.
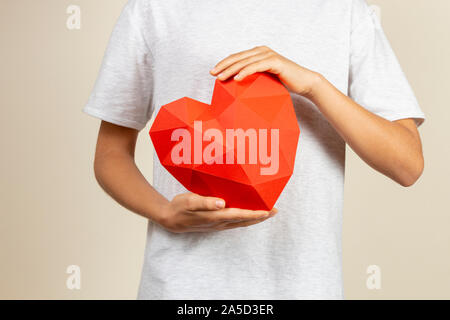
column 190, row 212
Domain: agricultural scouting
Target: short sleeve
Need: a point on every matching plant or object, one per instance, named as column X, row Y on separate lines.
column 377, row 81
column 123, row 91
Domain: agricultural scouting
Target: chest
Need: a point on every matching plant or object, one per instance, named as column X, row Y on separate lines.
column 190, row 37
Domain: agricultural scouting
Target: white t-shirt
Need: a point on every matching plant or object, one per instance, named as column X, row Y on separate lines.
column 161, row 51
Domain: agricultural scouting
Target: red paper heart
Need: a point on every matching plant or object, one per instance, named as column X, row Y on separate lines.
column 259, row 104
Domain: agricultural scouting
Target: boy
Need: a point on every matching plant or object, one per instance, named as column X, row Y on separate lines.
column 346, row 86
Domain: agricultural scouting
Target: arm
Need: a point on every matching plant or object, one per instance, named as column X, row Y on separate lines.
column 118, row 175
column 392, row 148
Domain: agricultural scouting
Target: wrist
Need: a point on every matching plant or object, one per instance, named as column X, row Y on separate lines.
column 314, row 87
column 160, row 212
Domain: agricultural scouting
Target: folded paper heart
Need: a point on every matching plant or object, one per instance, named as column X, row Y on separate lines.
column 241, row 148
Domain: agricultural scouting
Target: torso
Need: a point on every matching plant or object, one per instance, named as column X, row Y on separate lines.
column 297, row 254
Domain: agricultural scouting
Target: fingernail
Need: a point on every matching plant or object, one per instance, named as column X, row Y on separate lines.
column 213, row 70
column 237, row 77
column 220, row 204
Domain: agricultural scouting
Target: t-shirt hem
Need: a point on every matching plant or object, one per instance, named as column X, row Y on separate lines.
column 133, row 124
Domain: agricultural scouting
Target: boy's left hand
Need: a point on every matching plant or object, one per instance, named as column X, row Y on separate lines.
column 263, row 59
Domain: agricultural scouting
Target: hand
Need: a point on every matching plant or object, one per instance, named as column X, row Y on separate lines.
column 190, row 212
column 263, row 59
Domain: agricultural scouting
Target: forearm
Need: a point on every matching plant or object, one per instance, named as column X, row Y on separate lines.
column 119, row 176
column 388, row 147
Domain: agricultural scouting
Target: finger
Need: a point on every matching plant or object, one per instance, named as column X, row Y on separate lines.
column 229, row 225
column 248, row 215
column 224, row 226
column 239, row 65
column 228, row 61
column 230, row 215
column 242, row 224
column 259, row 66
column 195, row 202
column 263, row 215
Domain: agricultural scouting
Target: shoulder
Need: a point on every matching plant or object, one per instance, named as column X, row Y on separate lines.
column 360, row 10
column 139, row 11
column 138, row 6
column 359, row 5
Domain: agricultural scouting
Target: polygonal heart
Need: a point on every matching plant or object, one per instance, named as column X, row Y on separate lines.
column 241, row 148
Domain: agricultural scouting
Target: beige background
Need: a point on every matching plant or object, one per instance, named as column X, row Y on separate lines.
column 53, row 214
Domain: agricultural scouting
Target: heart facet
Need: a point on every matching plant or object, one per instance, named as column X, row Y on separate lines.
column 241, row 148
